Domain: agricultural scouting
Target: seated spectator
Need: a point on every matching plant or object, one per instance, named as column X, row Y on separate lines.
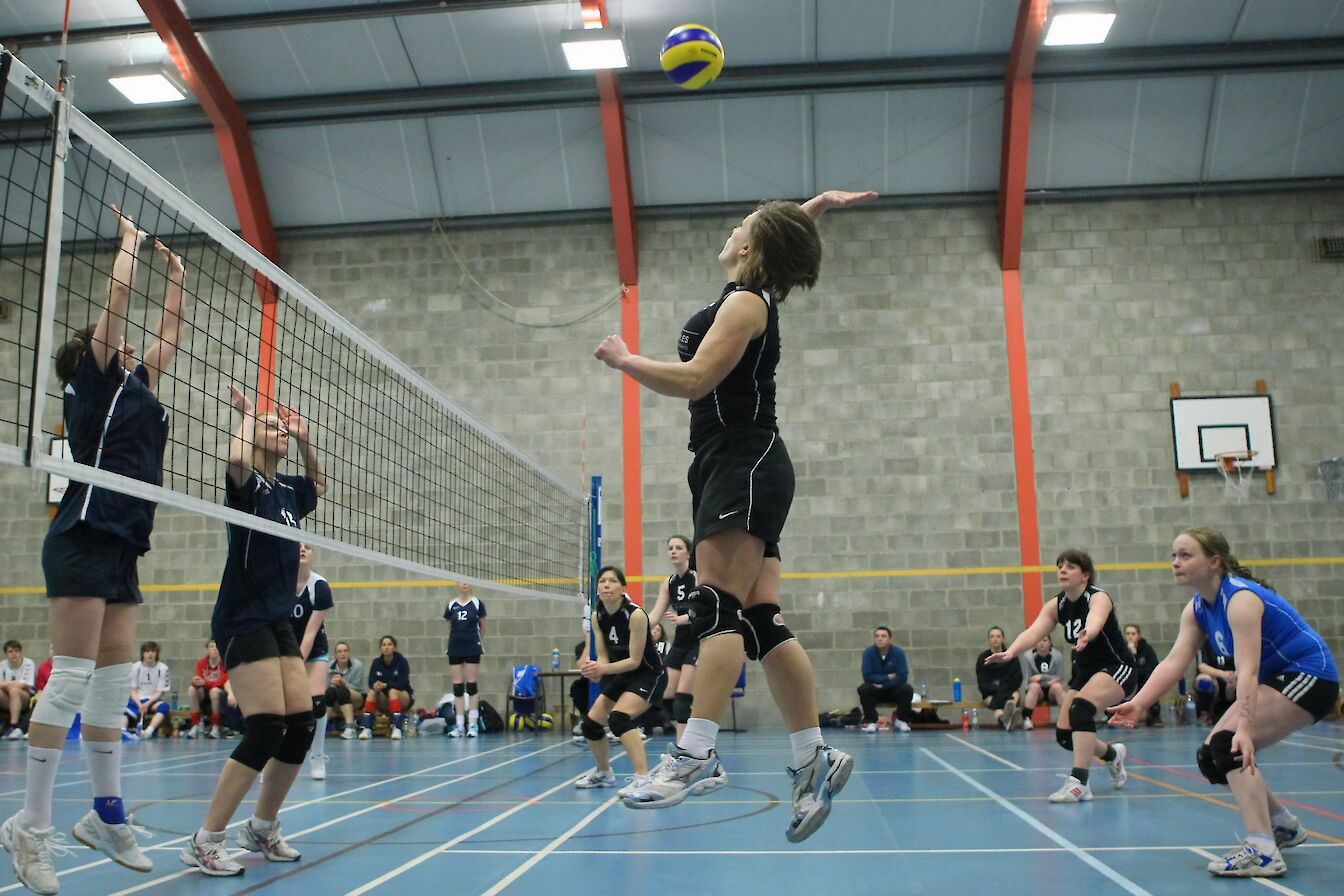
column 43, row 674
column 1145, row 661
column 18, row 683
column 206, row 695
column 1043, row 676
column 999, row 682
column 885, row 680
column 390, row 688
column 345, row 688
column 1215, row 683
column 150, row 682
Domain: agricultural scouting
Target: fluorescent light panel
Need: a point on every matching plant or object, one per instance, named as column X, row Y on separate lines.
column 143, row 84
column 590, row 49
column 1077, row 24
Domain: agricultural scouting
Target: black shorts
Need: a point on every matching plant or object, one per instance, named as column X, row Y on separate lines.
column 742, row 479
column 1123, row 673
column 1000, row 697
column 685, row 650
column 268, row 642
column 85, row 562
column 642, row 682
column 1316, row 695
column 474, row 660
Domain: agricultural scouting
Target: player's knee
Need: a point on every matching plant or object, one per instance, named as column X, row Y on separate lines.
column 591, row 730
column 714, row 612
column 66, row 692
column 1224, row 760
column 1207, row 767
column 262, row 735
column 1082, row 715
column 620, row 723
column 105, row 698
column 681, row 708
column 763, row 630
column 459, row 689
column 299, row 730
column 1064, row 737
column 472, row 689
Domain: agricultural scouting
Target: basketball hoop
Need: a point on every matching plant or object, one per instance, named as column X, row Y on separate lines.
column 1238, row 469
column 1332, row 471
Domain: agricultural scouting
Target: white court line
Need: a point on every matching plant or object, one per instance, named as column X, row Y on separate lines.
column 549, row 848
column 1128, row 885
column 168, row 843
column 83, row 778
column 1307, row 732
column 966, row 743
column 340, row 818
column 426, row 856
column 1273, row 885
column 1295, row 743
column 966, row 850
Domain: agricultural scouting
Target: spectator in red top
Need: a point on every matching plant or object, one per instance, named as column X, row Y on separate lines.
column 43, row 673
column 207, row 692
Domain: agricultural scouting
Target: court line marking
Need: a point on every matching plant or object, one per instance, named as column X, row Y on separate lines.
column 966, row 743
column 1305, row 732
column 549, row 848
column 1125, row 883
column 446, row 847
column 1295, row 743
column 1265, row 881
column 156, row 766
column 843, row 852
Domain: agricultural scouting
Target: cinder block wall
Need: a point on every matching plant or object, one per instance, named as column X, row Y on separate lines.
column 895, row 409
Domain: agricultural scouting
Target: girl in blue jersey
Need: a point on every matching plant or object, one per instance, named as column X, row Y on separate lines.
column 1286, row 680
column 742, row 484
column 115, row 422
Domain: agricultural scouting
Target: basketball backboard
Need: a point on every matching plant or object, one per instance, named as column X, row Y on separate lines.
column 1202, row 428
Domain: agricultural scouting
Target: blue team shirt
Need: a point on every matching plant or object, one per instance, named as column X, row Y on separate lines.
column 316, row 595
column 257, row 588
column 114, row 423
column 1287, row 644
column 464, row 634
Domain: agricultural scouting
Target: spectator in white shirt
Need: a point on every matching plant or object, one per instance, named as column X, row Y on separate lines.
column 150, row 683
column 17, row 677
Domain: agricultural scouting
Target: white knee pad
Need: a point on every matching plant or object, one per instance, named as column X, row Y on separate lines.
column 65, row 691
column 105, row 703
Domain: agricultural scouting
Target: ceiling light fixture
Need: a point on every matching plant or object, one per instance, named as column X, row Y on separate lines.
column 152, row 83
column 593, row 48
column 1077, row 24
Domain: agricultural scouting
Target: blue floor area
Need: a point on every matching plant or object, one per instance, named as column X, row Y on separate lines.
column 931, row 812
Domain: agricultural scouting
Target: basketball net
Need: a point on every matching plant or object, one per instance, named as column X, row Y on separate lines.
column 1238, row 469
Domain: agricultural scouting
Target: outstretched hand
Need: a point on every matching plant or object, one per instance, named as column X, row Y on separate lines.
column 172, row 259
column 1243, row 746
column 1001, row 657
column 126, row 226
column 1083, row 640
column 1125, row 715
column 830, row 199
column 241, row 403
column 612, row 351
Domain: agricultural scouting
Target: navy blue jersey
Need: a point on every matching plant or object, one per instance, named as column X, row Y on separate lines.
column 614, row 630
column 679, row 590
column 394, row 674
column 114, row 423
column 1287, row 643
column 258, row 583
column 315, row 595
column 464, row 633
column 1108, row 647
column 746, row 397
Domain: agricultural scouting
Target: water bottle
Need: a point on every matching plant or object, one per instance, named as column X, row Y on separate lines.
column 1175, row 713
column 174, row 701
column 965, row 720
column 923, row 689
column 956, row 690
column 975, row 718
column 1189, row 709
column 555, row 660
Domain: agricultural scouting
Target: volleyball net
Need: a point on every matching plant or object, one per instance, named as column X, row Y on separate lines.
column 414, row 480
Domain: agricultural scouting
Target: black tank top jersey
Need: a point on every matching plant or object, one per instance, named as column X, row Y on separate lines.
column 679, row 588
column 316, row 595
column 746, row 397
column 615, row 631
column 1108, row 647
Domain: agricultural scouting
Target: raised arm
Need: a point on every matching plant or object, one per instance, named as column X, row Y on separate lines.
column 312, row 463
column 110, row 331
column 169, row 331
column 244, row 438
column 819, row 204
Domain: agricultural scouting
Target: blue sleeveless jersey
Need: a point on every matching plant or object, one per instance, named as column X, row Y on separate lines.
column 1287, row 643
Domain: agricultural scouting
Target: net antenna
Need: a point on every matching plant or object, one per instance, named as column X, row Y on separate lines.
column 1238, row 469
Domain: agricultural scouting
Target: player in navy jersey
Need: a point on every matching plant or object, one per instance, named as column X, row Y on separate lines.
column 1103, row 670
column 114, row 422
column 672, row 604
column 1286, row 680
column 742, row 484
column 628, row 672
column 312, row 603
column 465, row 615
column 251, row 624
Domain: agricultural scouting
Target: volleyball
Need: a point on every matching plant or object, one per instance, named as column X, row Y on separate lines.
column 545, row 722
column 692, row 56
column 517, row 721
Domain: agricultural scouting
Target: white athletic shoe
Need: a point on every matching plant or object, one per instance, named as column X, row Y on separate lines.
column 633, row 783
column 317, row 767
column 1073, row 791
column 1249, row 862
column 116, row 841
column 471, row 730
column 129, row 737
column 214, row 732
column 15, row 733
column 898, row 725
column 594, row 778
column 348, row 732
column 1117, row 767
column 676, row 777
column 1027, row 724
column 31, row 850
column 1287, row 838
column 1010, row 718
column 814, row 785
column 365, row 734
column 396, row 733
column 270, row 844
column 193, row 732
column 212, row 857
column 457, row 731
column 870, row 728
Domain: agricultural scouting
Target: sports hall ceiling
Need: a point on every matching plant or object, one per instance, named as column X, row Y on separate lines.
column 407, row 110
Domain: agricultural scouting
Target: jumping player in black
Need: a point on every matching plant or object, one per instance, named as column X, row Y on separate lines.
column 1103, row 670
column 674, row 600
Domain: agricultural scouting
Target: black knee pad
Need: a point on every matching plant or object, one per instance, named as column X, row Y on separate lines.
column 1224, row 760
column 299, row 729
column 670, row 709
column 472, row 689
column 339, row 696
column 1083, row 715
column 320, row 707
column 262, row 735
column 714, row 612
column 619, row 723
column 1204, row 759
column 459, row 689
column 591, row 730
column 1064, row 737
column 763, row 630
column 681, row 708
column 330, row 697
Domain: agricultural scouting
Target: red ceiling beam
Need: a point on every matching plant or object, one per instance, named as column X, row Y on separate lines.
column 1017, row 130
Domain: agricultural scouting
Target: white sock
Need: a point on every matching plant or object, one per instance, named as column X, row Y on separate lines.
column 699, row 737
column 473, row 716
column 1263, row 842
column 261, row 825
column 42, row 765
column 319, row 738
column 805, row 744
column 460, row 704
column 204, row 836
column 104, row 759
column 1285, row 819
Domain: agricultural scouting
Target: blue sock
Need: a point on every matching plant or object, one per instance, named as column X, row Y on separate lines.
column 368, row 720
column 110, row 809
column 396, row 720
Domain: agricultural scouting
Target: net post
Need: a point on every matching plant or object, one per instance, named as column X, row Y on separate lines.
column 594, row 563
